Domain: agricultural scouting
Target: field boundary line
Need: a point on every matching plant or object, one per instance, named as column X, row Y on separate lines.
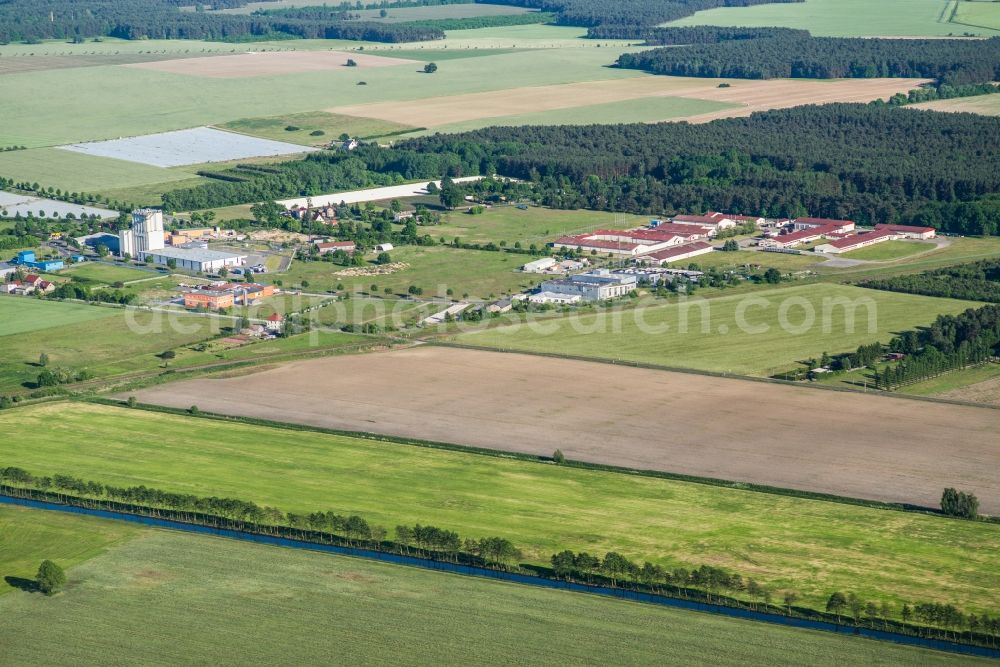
column 517, row 578
column 531, row 458
column 715, row 374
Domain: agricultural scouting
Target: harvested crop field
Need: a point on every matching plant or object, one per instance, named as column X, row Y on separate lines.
column 748, row 95
column 268, row 64
column 875, row 447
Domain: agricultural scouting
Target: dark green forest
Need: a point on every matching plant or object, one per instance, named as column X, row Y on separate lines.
column 870, row 163
column 951, row 61
column 33, row 20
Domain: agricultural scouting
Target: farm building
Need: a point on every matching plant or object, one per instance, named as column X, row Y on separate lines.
column 827, row 224
column 677, row 253
column 442, row 316
column 594, row 286
column 539, row 265
column 325, row 247
column 205, row 261
column 617, row 242
column 711, row 219
column 501, row 306
column 908, row 231
column 855, row 242
column 383, row 247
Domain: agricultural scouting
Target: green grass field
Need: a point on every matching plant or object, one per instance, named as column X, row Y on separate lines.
column 713, row 338
column 332, row 125
column 104, row 341
column 810, row 546
column 953, row 380
column 889, row 250
column 433, row 268
column 536, row 224
column 737, row 259
column 105, row 273
column 959, row 250
column 977, row 15
column 24, row 316
column 845, row 18
column 163, row 597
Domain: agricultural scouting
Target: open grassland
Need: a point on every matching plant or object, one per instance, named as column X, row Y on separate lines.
column 813, row 547
column 958, row 250
column 977, row 15
column 889, row 250
column 735, row 334
column 30, row 537
column 845, row 18
column 102, row 341
column 23, row 316
column 169, row 597
column 434, row 269
column 105, row 273
column 331, row 125
column 742, row 258
column 778, row 435
column 986, row 105
column 535, row 224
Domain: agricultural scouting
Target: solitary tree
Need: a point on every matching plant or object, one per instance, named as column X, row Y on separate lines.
column 43, row 359
column 51, row 578
column 558, row 456
column 430, row 68
column 772, row 276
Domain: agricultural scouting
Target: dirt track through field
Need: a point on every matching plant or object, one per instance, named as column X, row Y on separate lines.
column 857, row 445
column 752, row 95
column 269, row 64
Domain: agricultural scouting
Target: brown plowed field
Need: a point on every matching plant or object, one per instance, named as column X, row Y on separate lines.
column 268, row 64
column 752, row 95
column 858, row 445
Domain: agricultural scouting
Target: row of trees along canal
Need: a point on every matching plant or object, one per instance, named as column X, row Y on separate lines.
column 703, row 583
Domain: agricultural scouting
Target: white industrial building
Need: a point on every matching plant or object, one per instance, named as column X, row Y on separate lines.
column 594, row 286
column 539, row 265
column 145, row 234
column 555, row 298
column 193, row 259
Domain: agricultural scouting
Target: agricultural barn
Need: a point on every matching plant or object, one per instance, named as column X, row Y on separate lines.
column 325, row 247
column 205, row 261
column 711, row 219
column 827, row 224
column 676, row 253
column 855, row 242
column 908, row 231
column 539, row 265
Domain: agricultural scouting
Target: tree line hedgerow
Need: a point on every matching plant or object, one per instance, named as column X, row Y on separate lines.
column 977, row 281
column 951, row 61
column 589, row 13
column 708, row 583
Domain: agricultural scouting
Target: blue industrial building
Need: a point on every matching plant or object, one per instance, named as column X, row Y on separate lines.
column 27, row 259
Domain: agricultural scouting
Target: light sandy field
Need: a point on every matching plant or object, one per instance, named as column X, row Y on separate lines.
column 986, row 105
column 268, row 64
column 858, row 445
column 12, row 204
column 750, row 95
